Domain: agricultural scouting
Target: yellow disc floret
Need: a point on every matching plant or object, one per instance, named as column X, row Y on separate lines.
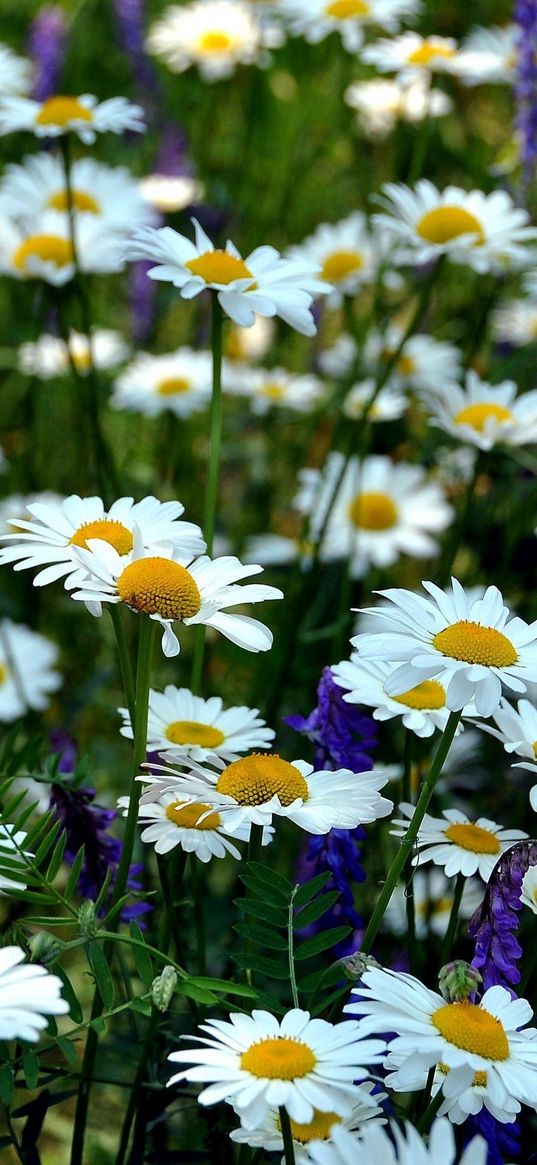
column 340, row 264
column 80, row 200
column 473, row 1029
column 279, row 1058
column 477, row 415
column 214, row 42
column 192, row 816
column 108, row 530
column 473, row 837
column 191, row 732
column 318, row 1129
column 428, row 52
column 159, row 586
column 252, row 780
column 346, row 9
column 61, row 110
column 3, row 673
column 174, row 386
column 473, row 643
column 445, row 223
column 48, row 248
column 273, row 390
column 426, row 696
column 219, row 267
column 373, row 511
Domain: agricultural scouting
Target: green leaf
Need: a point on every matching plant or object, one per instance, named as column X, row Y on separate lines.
column 7, row 1084
column 334, row 997
column 268, row 967
column 143, row 1006
column 98, row 1025
column 199, row 994
column 224, row 986
column 68, row 1049
column 316, row 909
column 101, row 971
column 30, row 1068
column 75, row 1010
column 46, row 845
column 279, row 884
column 142, row 959
column 321, row 979
column 321, row 942
column 263, row 911
column 262, row 935
column 74, row 875
column 309, row 889
column 57, row 857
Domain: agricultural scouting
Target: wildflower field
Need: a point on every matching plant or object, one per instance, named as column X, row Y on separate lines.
column 268, row 565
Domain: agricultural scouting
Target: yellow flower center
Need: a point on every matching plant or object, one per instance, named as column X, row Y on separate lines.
column 3, row 673
column 173, row 385
column 318, row 1129
column 477, row 415
column 373, row 511
column 81, row 359
column 278, row 1058
column 428, row 52
column 480, row 1079
column 273, row 390
column 346, row 9
column 534, row 747
column 406, row 366
column 159, row 586
column 340, row 264
column 62, row 110
column 252, row 780
column 473, row 1029
column 445, row 223
column 188, row 816
column 219, row 267
column 214, row 42
column 49, row 248
column 473, row 837
column 191, row 732
column 107, row 530
column 428, row 909
column 473, row 643
column 81, row 201
column 427, row 695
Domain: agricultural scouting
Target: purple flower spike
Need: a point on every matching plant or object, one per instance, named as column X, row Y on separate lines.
column 525, row 15
column 46, row 46
column 130, row 21
column 495, row 922
column 342, row 735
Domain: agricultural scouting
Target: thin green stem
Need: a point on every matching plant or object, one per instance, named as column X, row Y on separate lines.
column 288, row 1146
column 255, row 844
column 426, row 1120
column 410, row 903
column 199, row 919
column 411, row 834
column 124, row 658
column 291, row 949
column 451, row 931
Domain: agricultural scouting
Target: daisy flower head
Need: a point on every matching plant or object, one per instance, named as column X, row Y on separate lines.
column 53, row 533
column 347, row 254
column 264, row 283
column 478, row 643
column 516, row 729
column 380, row 103
column 182, row 725
column 268, row 1135
column 316, row 19
column 178, row 381
column 486, row 232
column 58, row 115
column 42, row 248
column 423, row 362
column 382, row 510
column 107, row 194
column 15, row 73
column 373, row 1146
column 488, row 56
column 194, row 591
column 243, row 344
column 269, row 388
column 214, row 35
column 28, row 994
column 465, row 1038
column 168, row 193
column 197, row 828
column 256, row 788
column 410, row 54
column 484, row 414
column 27, row 671
column 456, row 843
column 257, row 1062
column 422, row 708
column 515, row 322
column 50, row 356
column 390, row 404
column 433, row 896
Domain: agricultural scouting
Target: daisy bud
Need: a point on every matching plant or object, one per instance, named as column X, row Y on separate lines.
column 163, row 987
column 458, row 980
column 353, row 966
column 44, row 949
column 87, row 919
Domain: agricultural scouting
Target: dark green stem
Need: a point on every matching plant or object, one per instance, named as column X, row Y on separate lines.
column 199, row 920
column 124, row 658
column 451, row 931
column 288, row 1146
column 410, row 904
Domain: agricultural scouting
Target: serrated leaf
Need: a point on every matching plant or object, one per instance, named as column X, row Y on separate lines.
column 7, row 1084
column 315, row 910
column 309, row 889
column 270, row 877
column 224, row 986
column 74, row 874
column 30, row 1068
column 75, row 1010
column 262, row 910
column 265, row 966
column 101, row 971
column 321, row 942
column 68, row 1049
column 142, row 959
column 261, row 935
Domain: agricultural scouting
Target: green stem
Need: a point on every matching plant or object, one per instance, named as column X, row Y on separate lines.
column 288, row 1146
column 291, row 950
column 199, row 921
column 411, row 834
column 426, row 1120
column 124, row 658
column 453, row 920
column 255, row 844
column 410, row 904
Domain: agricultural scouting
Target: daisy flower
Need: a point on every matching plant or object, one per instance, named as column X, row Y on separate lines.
column 390, row 404
column 42, row 249
column 27, row 675
column 467, row 1038
column 380, row 104
column 516, row 730
column 478, row 643
column 411, row 54
column 243, row 344
column 423, row 363
column 169, row 193
column 255, row 788
column 338, row 360
column 16, row 73
column 49, row 356
column 433, row 896
column 11, row 844
column 515, row 323
column 183, row 725
column 84, row 116
column 263, row 283
column 273, row 387
column 178, row 381
column 256, row 1062
column 277, row 549
column 485, row 414
column 488, row 56
column 198, row 592
column 50, row 538
column 422, row 709
column 28, row 994
column 347, row 253
column 381, row 510
column 456, row 843
column 316, row 19
column 196, row 828
column 373, row 1145
column 528, row 892
column 268, row 1135
column 109, row 194
column 486, row 232
column 215, row 35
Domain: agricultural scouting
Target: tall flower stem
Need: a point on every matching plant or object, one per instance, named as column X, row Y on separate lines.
column 410, row 903
column 215, row 441
column 453, row 920
column 458, row 529
column 124, row 660
column 411, row 834
column 288, row 1147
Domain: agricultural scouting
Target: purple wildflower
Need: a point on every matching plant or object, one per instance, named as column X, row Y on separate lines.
column 142, row 292
column 495, row 923
column 173, row 157
column 46, row 46
column 130, row 21
column 342, row 735
column 64, row 744
column 503, row 1140
column 525, row 16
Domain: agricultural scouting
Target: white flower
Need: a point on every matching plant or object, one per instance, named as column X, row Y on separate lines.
column 433, row 896
column 381, row 510
column 316, row 19
column 485, row 414
column 255, row 788
column 179, row 381
column 169, row 193
column 215, row 35
column 11, row 844
column 411, row 54
column 263, row 283
column 42, row 248
column 183, row 725
column 348, row 254
column 196, row 827
column 15, row 73
column 515, row 322
column 488, row 56
column 374, row 1147
column 277, row 549
column 17, row 504
column 250, row 343
column 517, row 731
column 528, row 893
column 268, row 1135
column 390, row 404
column 110, row 195
column 49, row 356
column 52, row 534
column 257, row 1062
column 423, row 363
column 456, row 843
column 478, row 641
column 273, row 387
column 84, row 116
column 27, row 675
column 380, row 104
column 422, row 708
column 339, row 358
column 28, row 994
column 467, row 1038
column 486, row 232
column 157, row 584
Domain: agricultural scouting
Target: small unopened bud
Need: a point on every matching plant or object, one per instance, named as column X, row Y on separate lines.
column 458, row 980
column 163, row 987
column 87, row 919
column 44, row 949
column 353, row 966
